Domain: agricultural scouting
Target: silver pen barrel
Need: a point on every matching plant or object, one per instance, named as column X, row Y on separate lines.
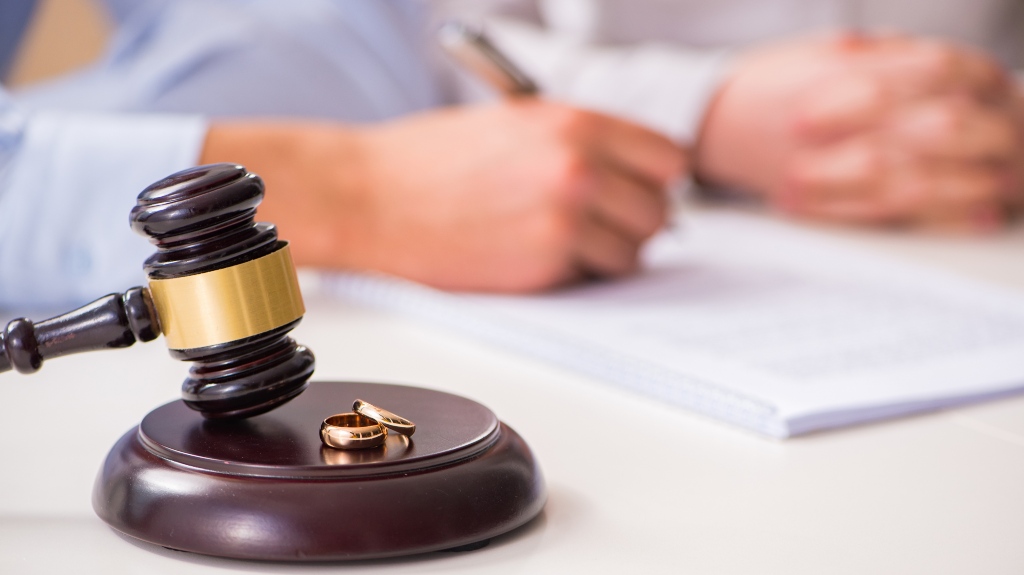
column 470, row 47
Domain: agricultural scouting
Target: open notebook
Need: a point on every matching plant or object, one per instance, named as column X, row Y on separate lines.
column 756, row 323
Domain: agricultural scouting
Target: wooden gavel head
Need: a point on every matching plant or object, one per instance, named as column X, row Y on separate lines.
column 222, row 290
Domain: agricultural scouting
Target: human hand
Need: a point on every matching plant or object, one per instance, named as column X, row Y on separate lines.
column 923, row 133
column 518, row 196
column 884, row 130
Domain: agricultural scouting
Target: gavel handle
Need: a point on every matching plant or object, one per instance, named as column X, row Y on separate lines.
column 113, row 321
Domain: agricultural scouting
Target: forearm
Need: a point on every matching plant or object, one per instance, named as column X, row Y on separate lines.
column 315, row 176
column 491, row 198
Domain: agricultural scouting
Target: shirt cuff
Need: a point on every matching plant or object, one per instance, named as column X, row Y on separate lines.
column 65, row 198
column 666, row 88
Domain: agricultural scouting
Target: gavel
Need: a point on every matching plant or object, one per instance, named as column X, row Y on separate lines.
column 222, row 290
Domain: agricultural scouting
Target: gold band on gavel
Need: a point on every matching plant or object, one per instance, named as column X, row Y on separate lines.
column 228, row 304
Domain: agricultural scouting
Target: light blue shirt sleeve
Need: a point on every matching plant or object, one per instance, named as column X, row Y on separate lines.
column 356, row 61
column 75, row 152
column 14, row 18
column 67, row 184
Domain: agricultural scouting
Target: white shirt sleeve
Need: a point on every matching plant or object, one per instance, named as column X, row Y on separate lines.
column 662, row 86
column 67, row 184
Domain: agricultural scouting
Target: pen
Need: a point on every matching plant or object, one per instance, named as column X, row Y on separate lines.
column 471, row 48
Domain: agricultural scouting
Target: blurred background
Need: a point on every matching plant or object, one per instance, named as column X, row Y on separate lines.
column 64, row 35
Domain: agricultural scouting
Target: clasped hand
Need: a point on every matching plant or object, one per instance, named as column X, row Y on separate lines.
column 889, row 130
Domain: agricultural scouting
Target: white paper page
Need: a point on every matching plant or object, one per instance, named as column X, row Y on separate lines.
column 767, row 326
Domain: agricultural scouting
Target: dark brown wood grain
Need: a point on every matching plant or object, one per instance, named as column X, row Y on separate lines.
column 265, row 488
column 113, row 321
column 203, row 219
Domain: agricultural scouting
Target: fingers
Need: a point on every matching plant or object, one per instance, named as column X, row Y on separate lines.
column 629, row 168
column 882, row 74
column 856, row 183
column 632, row 148
column 849, row 104
column 603, row 251
column 634, row 208
column 622, row 213
column 959, row 192
column 843, row 182
column 947, row 161
column 851, row 169
column 917, row 66
column 979, row 217
column 957, row 128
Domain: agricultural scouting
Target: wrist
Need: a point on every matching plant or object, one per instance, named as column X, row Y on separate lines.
column 314, row 181
column 733, row 138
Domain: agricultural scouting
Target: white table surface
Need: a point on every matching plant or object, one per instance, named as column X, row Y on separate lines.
column 935, row 493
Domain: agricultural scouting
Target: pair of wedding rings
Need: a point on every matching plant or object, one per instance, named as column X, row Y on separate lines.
column 365, row 426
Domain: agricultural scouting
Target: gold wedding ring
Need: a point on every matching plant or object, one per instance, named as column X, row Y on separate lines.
column 351, row 431
column 384, row 417
column 367, row 427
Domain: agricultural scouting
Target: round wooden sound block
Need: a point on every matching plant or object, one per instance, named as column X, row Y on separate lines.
column 266, row 488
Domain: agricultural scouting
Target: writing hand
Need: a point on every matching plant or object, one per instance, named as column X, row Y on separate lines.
column 517, row 196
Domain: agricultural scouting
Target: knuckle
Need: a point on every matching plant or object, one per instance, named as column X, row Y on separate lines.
column 875, row 91
column 940, row 60
column 872, row 162
column 951, row 118
column 570, row 123
column 557, row 231
column 571, row 176
column 800, row 177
